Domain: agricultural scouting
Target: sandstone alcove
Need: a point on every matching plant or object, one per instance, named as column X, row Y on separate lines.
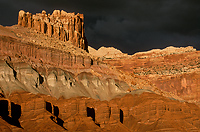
column 91, row 113
column 10, row 112
column 49, row 107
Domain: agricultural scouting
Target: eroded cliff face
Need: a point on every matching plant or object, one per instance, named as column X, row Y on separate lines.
column 136, row 112
column 19, row 76
column 60, row 24
column 46, row 55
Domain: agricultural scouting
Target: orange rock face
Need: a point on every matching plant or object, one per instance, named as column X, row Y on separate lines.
column 12, row 47
column 60, row 24
column 145, row 112
column 176, row 71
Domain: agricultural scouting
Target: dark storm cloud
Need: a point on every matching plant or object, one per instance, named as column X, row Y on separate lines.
column 130, row 25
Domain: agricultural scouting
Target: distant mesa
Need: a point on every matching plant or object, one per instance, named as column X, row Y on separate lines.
column 60, row 24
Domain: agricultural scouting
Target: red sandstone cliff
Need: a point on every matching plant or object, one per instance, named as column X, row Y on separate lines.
column 145, row 112
column 60, row 24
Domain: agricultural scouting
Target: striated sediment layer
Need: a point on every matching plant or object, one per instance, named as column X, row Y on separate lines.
column 46, row 55
column 137, row 112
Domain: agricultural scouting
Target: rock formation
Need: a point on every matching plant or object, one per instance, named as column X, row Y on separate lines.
column 48, row 82
column 60, row 24
column 64, row 59
column 175, row 70
column 144, row 112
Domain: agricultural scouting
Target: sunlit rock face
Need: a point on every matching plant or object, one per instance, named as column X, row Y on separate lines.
column 38, row 53
column 174, row 70
column 60, row 24
column 133, row 112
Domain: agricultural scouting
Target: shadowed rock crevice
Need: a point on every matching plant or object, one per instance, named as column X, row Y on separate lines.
column 4, row 108
column 15, row 114
column 15, row 74
column 91, row 113
column 49, row 107
column 91, row 62
column 58, row 121
column 2, row 95
column 11, row 66
column 54, row 110
column 109, row 112
column 10, row 112
column 121, row 116
column 41, row 79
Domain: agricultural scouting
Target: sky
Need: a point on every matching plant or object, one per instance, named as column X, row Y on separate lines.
column 128, row 25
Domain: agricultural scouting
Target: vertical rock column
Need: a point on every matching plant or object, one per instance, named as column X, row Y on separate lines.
column 81, row 29
column 43, row 27
column 62, row 34
column 71, row 30
column 49, row 29
column 22, row 19
column 43, row 23
column 77, row 33
column 56, row 30
column 66, row 29
column 29, row 18
column 37, row 22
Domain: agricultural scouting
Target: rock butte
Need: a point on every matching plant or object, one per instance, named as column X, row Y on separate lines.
column 62, row 25
column 49, row 81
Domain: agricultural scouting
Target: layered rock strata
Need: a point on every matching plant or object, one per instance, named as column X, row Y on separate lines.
column 12, row 47
column 175, row 70
column 60, row 24
column 145, row 112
